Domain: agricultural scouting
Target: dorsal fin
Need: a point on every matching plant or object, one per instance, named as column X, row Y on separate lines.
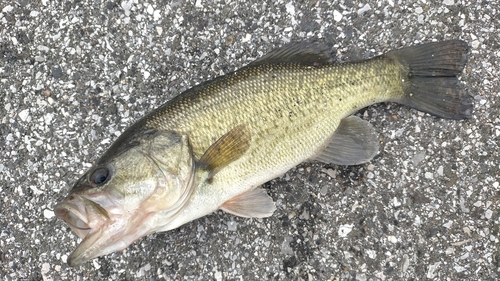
column 311, row 53
column 226, row 149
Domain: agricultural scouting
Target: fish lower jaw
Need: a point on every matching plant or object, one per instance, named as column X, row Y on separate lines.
column 88, row 249
column 116, row 235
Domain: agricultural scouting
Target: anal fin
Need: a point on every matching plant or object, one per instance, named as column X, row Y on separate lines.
column 354, row 142
column 254, row 203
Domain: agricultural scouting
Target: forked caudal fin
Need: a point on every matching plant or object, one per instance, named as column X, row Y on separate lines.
column 431, row 84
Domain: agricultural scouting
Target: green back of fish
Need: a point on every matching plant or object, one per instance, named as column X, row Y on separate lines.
column 290, row 109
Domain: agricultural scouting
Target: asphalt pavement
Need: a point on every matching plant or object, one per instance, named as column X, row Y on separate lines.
column 75, row 74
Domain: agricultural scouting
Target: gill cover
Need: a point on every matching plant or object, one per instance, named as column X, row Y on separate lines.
column 171, row 154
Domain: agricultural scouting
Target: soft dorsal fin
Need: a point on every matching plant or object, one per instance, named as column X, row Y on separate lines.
column 354, row 142
column 312, row 53
column 254, row 203
column 226, row 149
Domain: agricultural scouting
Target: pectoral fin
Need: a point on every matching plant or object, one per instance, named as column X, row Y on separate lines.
column 228, row 148
column 355, row 142
column 251, row 204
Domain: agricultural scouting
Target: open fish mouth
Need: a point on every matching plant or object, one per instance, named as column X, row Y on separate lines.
column 89, row 220
column 83, row 215
column 74, row 212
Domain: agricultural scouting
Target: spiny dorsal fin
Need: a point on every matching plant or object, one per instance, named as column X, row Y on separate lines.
column 354, row 142
column 225, row 150
column 254, row 203
column 312, row 53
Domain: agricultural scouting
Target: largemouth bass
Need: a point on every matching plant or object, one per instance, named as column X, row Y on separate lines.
column 212, row 146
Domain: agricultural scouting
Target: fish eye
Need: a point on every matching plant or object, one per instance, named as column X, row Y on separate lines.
column 99, row 176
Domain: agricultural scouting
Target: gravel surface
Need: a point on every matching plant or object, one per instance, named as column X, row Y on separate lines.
column 75, row 74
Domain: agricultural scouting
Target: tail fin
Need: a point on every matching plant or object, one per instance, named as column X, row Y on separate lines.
column 432, row 85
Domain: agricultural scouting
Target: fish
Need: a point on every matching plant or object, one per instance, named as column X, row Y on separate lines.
column 213, row 146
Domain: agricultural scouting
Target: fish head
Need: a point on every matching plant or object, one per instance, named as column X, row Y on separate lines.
column 129, row 193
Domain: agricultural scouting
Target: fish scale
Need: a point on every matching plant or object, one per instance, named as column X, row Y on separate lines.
column 326, row 94
column 210, row 147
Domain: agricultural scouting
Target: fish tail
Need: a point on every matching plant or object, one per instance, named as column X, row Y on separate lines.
column 430, row 79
